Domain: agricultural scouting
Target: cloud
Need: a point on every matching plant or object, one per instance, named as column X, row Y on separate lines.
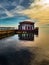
column 12, row 21
column 9, row 14
column 6, row 12
column 12, row 7
column 8, row 4
column 31, row 8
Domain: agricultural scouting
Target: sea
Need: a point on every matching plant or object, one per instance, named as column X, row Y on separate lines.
column 25, row 49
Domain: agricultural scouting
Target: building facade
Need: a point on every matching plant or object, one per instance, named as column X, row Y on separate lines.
column 26, row 25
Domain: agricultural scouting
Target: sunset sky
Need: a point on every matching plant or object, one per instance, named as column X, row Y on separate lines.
column 14, row 11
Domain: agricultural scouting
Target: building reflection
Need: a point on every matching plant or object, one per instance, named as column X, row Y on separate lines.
column 26, row 36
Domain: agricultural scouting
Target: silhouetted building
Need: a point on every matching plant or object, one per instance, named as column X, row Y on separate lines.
column 26, row 25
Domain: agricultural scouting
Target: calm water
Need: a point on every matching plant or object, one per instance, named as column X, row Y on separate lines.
column 25, row 49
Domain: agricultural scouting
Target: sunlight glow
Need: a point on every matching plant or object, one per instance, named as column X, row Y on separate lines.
column 45, row 2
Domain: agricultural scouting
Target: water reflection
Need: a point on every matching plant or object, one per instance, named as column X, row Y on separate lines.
column 10, row 56
column 5, row 35
column 14, row 51
column 27, row 36
column 21, row 36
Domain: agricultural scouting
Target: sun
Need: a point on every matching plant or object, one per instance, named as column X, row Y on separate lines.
column 45, row 2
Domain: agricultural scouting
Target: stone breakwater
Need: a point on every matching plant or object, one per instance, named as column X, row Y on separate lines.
column 6, row 33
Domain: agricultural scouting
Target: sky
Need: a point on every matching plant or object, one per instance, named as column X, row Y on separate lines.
column 14, row 11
